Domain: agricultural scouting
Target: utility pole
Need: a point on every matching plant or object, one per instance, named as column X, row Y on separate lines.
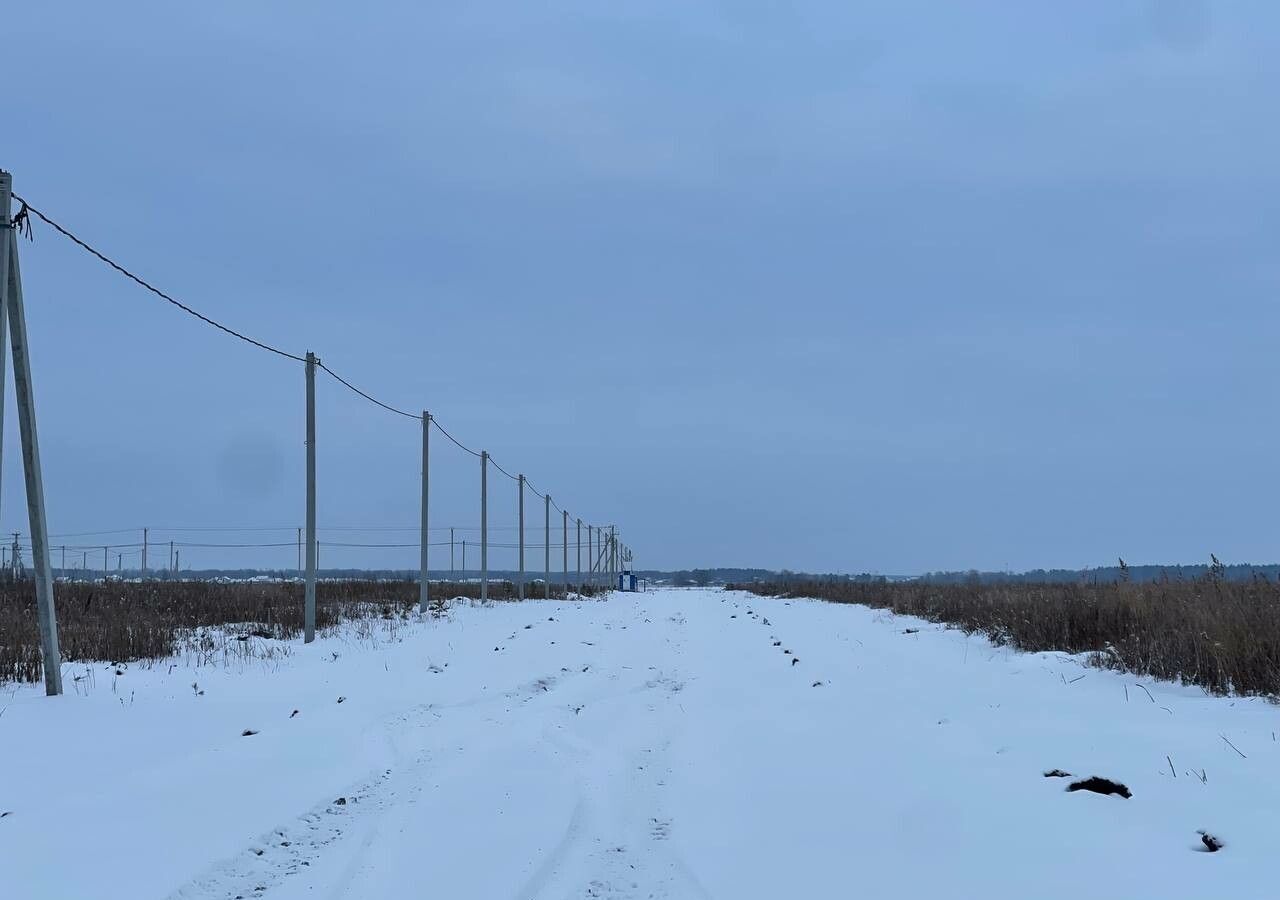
column 579, row 556
column 484, row 524
column 15, row 312
column 171, row 569
column 144, row 553
column 6, row 229
column 119, row 563
column 451, row 569
column 177, row 562
column 613, row 554
column 564, row 540
column 464, row 557
column 106, row 566
column 423, row 588
column 521, row 584
column 546, row 546
column 309, row 596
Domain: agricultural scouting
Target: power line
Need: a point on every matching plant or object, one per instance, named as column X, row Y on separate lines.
column 92, row 533
column 502, row 470
column 155, row 290
column 459, row 444
column 373, row 400
column 29, row 209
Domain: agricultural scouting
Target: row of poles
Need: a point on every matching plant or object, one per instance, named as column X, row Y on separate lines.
column 11, row 555
column 607, row 556
column 605, row 553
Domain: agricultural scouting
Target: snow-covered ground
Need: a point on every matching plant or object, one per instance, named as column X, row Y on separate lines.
column 656, row 745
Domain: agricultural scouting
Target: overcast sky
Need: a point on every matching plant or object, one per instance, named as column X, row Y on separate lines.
column 839, row 286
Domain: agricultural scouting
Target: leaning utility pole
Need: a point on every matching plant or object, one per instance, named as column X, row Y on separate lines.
column 15, row 312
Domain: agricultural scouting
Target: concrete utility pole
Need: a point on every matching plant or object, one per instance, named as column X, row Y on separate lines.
column 464, row 557
column 309, row 597
column 613, row 555
column 144, row 552
column 565, row 547
column 546, row 546
column 521, row 584
column 579, row 556
column 597, row 560
column 6, row 230
column 484, row 524
column 423, row 587
column 106, row 566
column 451, row 569
column 171, row 568
column 15, row 312
column 591, row 554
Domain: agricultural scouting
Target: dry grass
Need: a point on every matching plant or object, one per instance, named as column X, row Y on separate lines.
column 1223, row 636
column 128, row 621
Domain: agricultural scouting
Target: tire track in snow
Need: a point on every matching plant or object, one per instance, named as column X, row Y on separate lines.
column 290, row 848
column 626, row 850
column 554, row 861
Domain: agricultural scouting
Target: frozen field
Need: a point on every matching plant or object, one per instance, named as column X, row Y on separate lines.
column 672, row 744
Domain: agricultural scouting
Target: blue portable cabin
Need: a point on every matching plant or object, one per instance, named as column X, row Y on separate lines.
column 626, row 581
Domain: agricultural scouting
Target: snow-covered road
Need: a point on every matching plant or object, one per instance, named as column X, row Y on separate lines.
column 682, row 744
